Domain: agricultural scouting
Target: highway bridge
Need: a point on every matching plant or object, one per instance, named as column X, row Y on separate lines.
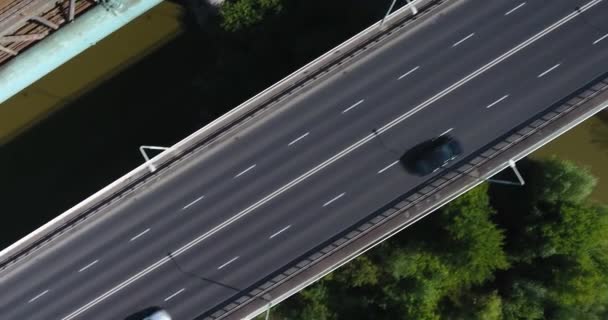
column 203, row 236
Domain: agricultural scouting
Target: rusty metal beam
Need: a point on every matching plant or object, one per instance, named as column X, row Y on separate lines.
column 23, row 38
column 9, row 51
column 45, row 22
column 72, row 10
column 16, row 20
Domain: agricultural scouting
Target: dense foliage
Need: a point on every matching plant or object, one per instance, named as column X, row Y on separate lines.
column 497, row 252
column 244, row 13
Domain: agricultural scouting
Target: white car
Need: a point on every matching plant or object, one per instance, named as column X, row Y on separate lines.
column 150, row 313
column 158, row 315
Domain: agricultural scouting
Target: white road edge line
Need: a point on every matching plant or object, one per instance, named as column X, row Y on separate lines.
column 446, row 132
column 88, row 266
column 600, row 39
column 139, row 235
column 548, row 70
column 334, row 199
column 329, row 161
column 354, row 105
column 497, row 101
column 387, row 167
column 38, row 296
column 244, row 171
column 193, row 202
column 512, row 10
column 298, row 139
column 173, row 295
column 463, row 40
column 227, row 263
column 279, row 232
column 408, row 73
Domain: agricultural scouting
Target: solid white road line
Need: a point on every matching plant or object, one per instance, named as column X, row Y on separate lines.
column 548, row 70
column 298, row 139
column 227, row 263
column 278, row 232
column 38, row 296
column 334, row 199
column 408, row 73
column 354, row 105
column 193, row 202
column 173, row 295
column 139, row 235
column 331, row 160
column 88, row 266
column 497, row 101
column 512, row 10
column 243, row 172
column 387, row 167
column 600, row 39
column 463, row 40
column 446, row 132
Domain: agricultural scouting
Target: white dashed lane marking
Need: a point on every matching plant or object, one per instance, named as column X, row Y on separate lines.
column 298, row 139
column 463, row 40
column 244, row 171
column 446, row 132
column 88, row 266
column 354, row 105
column 408, row 73
column 279, row 232
column 388, row 167
column 497, row 101
column 334, row 199
column 227, row 263
column 139, row 235
column 548, row 70
column 175, row 294
column 38, row 296
column 600, row 39
column 193, row 202
column 513, row 10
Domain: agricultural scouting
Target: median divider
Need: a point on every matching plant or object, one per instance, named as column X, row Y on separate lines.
column 266, row 101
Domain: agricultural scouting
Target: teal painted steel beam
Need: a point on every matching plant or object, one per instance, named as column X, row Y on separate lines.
column 69, row 41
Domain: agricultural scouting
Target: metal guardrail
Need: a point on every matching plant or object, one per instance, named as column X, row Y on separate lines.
column 294, row 84
column 409, row 200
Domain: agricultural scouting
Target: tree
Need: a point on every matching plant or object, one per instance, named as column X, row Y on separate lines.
column 310, row 303
column 244, row 13
column 358, row 273
column 561, row 180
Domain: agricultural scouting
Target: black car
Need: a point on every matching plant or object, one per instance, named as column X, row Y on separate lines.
column 431, row 155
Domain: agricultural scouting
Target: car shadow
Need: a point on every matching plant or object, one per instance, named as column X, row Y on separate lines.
column 408, row 159
column 142, row 313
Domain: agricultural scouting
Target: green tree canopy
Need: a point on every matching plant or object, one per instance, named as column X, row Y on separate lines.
column 244, row 13
column 556, row 180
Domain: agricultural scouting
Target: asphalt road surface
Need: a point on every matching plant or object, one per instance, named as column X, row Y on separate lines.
column 294, row 178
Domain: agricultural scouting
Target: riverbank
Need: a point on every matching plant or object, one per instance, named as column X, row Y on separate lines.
column 89, row 69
